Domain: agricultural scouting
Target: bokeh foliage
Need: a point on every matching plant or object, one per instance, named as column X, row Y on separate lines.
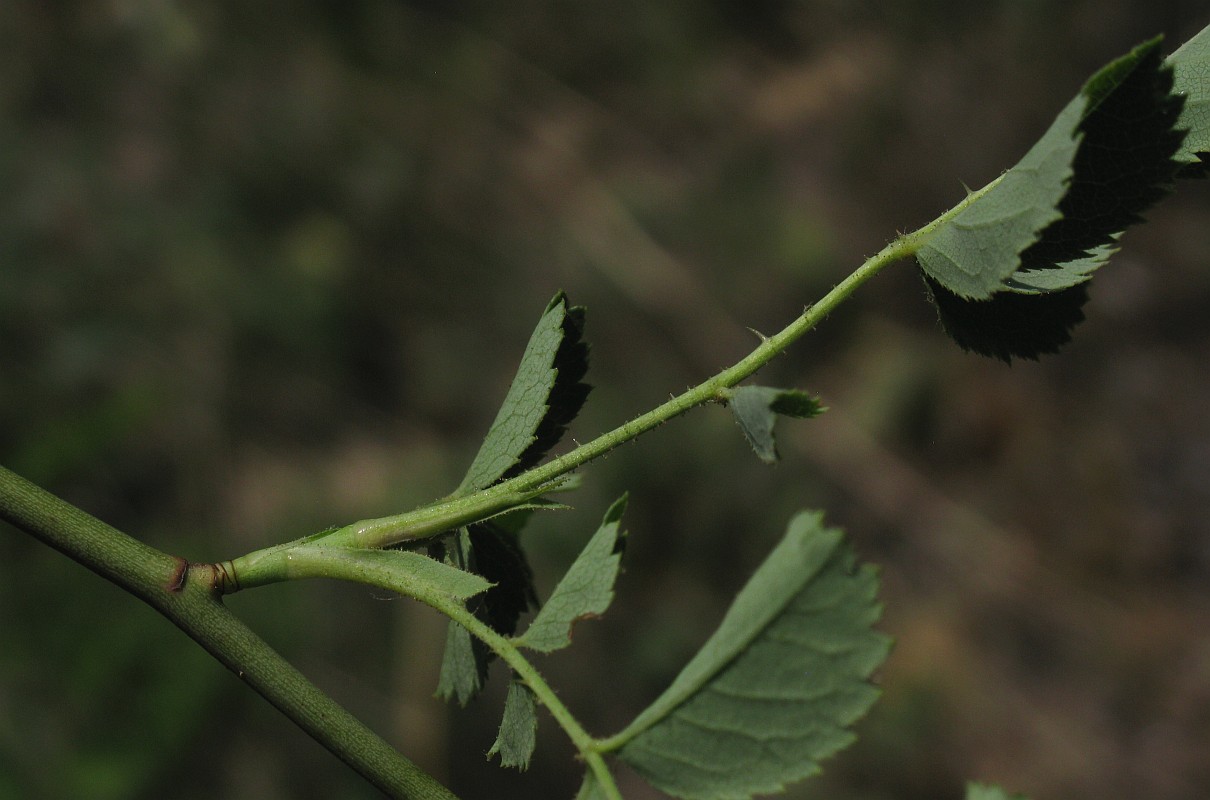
column 270, row 268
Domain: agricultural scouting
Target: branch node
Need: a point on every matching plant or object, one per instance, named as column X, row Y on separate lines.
column 223, row 578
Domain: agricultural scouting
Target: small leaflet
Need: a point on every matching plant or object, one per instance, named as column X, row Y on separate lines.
column 777, row 686
column 545, row 396
column 980, row 791
column 756, row 409
column 463, row 666
column 518, row 728
column 566, row 397
column 465, row 660
column 586, row 590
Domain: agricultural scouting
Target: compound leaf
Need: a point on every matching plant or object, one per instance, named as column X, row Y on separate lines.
column 776, row 687
column 586, row 590
column 979, row 791
column 1003, row 291
column 545, row 396
column 518, row 728
column 756, row 409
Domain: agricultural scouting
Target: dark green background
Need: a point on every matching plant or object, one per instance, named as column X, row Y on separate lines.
column 265, row 269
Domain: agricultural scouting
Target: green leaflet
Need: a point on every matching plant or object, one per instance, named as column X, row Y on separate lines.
column 775, row 688
column 975, row 251
column 1004, row 290
column 463, row 666
column 756, row 409
column 586, row 590
column 1191, row 64
column 545, row 395
column 979, row 791
column 518, row 729
column 465, row 659
column 979, row 247
column 1125, row 163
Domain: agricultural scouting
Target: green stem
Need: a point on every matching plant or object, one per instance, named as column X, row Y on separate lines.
column 526, row 671
column 186, row 596
column 321, row 561
column 715, row 388
column 456, row 511
column 270, row 565
column 189, row 595
column 905, row 246
column 295, row 561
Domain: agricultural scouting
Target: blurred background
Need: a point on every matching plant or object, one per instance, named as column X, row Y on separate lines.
column 269, row 267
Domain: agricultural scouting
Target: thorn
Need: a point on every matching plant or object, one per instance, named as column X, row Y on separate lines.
column 759, row 335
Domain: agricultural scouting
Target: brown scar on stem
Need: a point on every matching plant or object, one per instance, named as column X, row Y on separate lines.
column 180, row 573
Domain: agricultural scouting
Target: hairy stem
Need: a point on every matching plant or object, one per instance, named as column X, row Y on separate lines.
column 190, row 595
column 298, row 560
column 712, row 389
column 319, row 561
column 270, row 565
column 521, row 666
column 186, row 596
column 904, row 246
